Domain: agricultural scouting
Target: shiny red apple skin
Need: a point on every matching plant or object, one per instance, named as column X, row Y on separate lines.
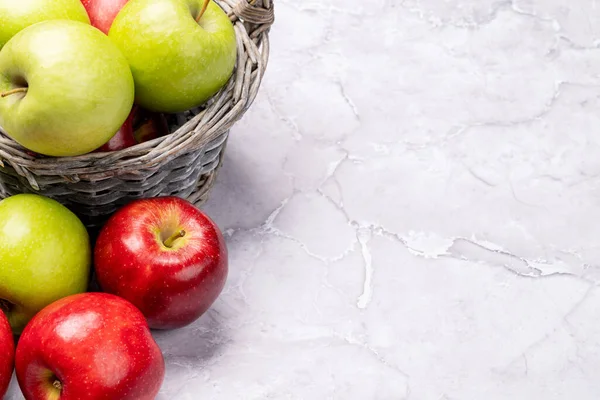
column 173, row 286
column 96, row 345
column 103, row 12
column 7, row 354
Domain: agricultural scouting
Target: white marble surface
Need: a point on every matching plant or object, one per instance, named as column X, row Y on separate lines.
column 412, row 209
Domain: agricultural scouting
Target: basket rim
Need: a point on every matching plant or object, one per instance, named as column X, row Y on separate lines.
column 211, row 120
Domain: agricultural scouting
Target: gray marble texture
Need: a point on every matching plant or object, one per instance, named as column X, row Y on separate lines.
column 412, row 210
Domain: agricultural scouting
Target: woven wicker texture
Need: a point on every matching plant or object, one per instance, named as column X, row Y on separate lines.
column 183, row 163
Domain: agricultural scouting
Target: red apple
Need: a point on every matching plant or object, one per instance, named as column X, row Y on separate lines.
column 148, row 125
column 141, row 125
column 103, row 12
column 165, row 256
column 7, row 353
column 89, row 346
column 124, row 137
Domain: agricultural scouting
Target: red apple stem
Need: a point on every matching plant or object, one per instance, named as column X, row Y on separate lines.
column 13, row 91
column 204, row 7
column 177, row 235
column 57, row 384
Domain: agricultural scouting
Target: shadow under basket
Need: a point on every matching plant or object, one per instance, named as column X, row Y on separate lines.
column 184, row 163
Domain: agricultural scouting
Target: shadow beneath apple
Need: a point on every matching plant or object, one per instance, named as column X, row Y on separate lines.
column 199, row 342
column 189, row 350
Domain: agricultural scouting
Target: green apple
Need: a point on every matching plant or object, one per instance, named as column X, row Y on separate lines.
column 180, row 52
column 16, row 15
column 65, row 88
column 45, row 255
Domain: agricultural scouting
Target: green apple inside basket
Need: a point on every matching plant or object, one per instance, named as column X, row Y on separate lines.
column 103, row 105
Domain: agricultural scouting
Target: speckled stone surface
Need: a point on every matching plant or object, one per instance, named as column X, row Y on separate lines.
column 412, row 210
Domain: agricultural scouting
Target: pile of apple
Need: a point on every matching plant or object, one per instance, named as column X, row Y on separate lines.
column 160, row 263
column 76, row 75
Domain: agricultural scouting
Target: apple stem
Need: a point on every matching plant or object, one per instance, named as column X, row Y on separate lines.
column 204, row 7
column 57, row 384
column 171, row 241
column 13, row 91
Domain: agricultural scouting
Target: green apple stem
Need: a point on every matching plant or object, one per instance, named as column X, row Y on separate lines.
column 177, row 235
column 13, row 91
column 204, row 7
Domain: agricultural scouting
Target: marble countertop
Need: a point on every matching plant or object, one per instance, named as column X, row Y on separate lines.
column 412, row 210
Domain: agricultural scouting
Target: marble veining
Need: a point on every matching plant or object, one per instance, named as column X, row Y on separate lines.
column 412, row 210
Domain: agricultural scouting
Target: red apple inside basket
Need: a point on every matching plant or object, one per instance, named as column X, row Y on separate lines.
column 165, row 256
column 141, row 125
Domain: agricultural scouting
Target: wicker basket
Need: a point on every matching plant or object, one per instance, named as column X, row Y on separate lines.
column 183, row 163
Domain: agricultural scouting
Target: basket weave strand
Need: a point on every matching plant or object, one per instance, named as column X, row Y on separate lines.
column 184, row 163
